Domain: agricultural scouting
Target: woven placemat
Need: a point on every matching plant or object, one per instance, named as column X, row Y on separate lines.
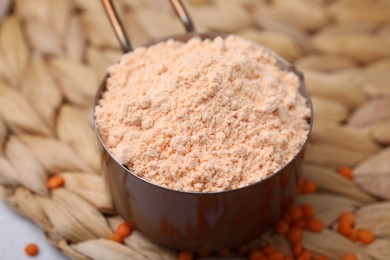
column 54, row 53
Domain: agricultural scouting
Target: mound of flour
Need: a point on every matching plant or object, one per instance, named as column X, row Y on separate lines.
column 202, row 116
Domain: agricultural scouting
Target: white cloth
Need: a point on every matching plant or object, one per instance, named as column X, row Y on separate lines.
column 16, row 232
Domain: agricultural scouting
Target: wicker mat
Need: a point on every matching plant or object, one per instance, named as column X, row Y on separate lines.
column 53, row 54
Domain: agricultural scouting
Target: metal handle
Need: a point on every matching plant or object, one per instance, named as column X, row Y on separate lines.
column 182, row 13
column 117, row 26
column 120, row 33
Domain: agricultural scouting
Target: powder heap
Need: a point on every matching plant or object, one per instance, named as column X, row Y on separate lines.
column 202, row 116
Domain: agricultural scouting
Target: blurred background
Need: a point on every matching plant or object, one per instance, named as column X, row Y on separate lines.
column 53, row 54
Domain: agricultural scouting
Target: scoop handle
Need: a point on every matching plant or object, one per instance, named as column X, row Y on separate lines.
column 117, row 26
column 182, row 13
column 120, row 33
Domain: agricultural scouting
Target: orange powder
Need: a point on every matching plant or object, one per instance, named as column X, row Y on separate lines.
column 202, row 116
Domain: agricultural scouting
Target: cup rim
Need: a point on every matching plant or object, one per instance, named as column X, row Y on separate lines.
column 284, row 64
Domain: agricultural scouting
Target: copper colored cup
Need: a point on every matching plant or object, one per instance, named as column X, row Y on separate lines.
column 206, row 221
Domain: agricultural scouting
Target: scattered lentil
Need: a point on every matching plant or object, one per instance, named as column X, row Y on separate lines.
column 31, row 249
column 55, row 182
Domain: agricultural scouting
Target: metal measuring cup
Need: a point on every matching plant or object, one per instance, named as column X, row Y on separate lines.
column 197, row 221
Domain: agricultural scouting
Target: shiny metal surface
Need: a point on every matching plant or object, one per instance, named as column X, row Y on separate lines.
column 120, row 33
column 116, row 23
column 182, row 13
column 202, row 221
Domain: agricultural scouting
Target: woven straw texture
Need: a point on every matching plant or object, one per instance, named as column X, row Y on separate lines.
column 53, row 54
